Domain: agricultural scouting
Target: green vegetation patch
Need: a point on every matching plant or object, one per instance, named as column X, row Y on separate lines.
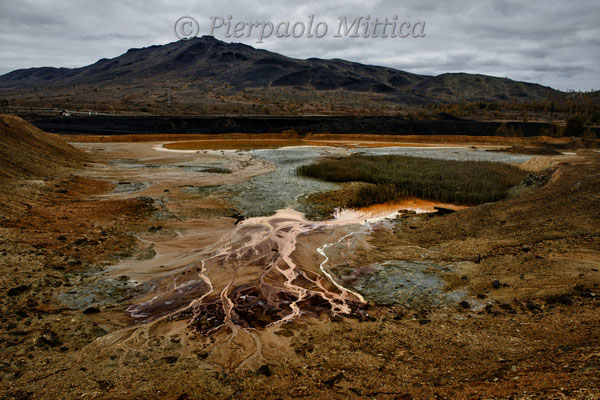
column 393, row 178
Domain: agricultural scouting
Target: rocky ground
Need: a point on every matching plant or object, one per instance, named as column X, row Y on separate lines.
column 528, row 327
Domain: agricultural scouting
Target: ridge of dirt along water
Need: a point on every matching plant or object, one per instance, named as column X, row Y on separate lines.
column 233, row 282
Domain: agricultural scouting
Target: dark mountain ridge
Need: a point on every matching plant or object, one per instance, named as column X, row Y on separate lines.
column 205, row 62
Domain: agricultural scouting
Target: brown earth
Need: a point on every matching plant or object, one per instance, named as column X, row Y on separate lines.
column 532, row 334
column 27, row 152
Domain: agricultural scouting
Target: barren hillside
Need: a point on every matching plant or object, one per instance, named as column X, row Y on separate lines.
column 27, row 152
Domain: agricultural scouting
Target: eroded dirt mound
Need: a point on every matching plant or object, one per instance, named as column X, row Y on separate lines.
column 27, row 152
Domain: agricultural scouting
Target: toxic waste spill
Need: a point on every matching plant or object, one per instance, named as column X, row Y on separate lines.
column 227, row 288
column 248, row 279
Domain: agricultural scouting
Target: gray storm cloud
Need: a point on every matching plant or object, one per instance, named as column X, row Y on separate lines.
column 552, row 43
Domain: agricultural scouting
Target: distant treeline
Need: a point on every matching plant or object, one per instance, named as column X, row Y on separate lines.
column 580, row 112
column 392, row 178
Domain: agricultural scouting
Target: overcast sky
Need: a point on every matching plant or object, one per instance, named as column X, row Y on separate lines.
column 555, row 43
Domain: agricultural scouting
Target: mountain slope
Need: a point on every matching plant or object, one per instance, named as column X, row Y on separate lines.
column 207, row 62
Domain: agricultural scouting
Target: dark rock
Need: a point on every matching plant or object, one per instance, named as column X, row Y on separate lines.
column 424, row 321
column 21, row 395
column 496, row 284
column 170, row 359
column 441, row 211
column 104, row 385
column 335, row 318
column 481, row 296
column 508, row 308
column 334, row 379
column 264, row 370
column 464, row 304
column 31, row 303
column 62, row 238
column 17, row 291
column 526, row 249
column 91, row 310
column 74, row 263
column 532, row 306
column 238, row 218
column 565, row 300
column 584, row 292
column 364, row 316
column 48, row 338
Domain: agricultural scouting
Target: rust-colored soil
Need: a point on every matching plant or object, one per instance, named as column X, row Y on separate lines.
column 533, row 334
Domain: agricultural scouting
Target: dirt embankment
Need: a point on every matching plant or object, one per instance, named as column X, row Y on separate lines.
column 27, row 152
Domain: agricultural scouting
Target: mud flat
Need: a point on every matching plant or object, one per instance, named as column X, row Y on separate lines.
column 195, row 274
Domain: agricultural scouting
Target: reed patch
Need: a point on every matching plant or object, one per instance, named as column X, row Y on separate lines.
column 393, row 178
